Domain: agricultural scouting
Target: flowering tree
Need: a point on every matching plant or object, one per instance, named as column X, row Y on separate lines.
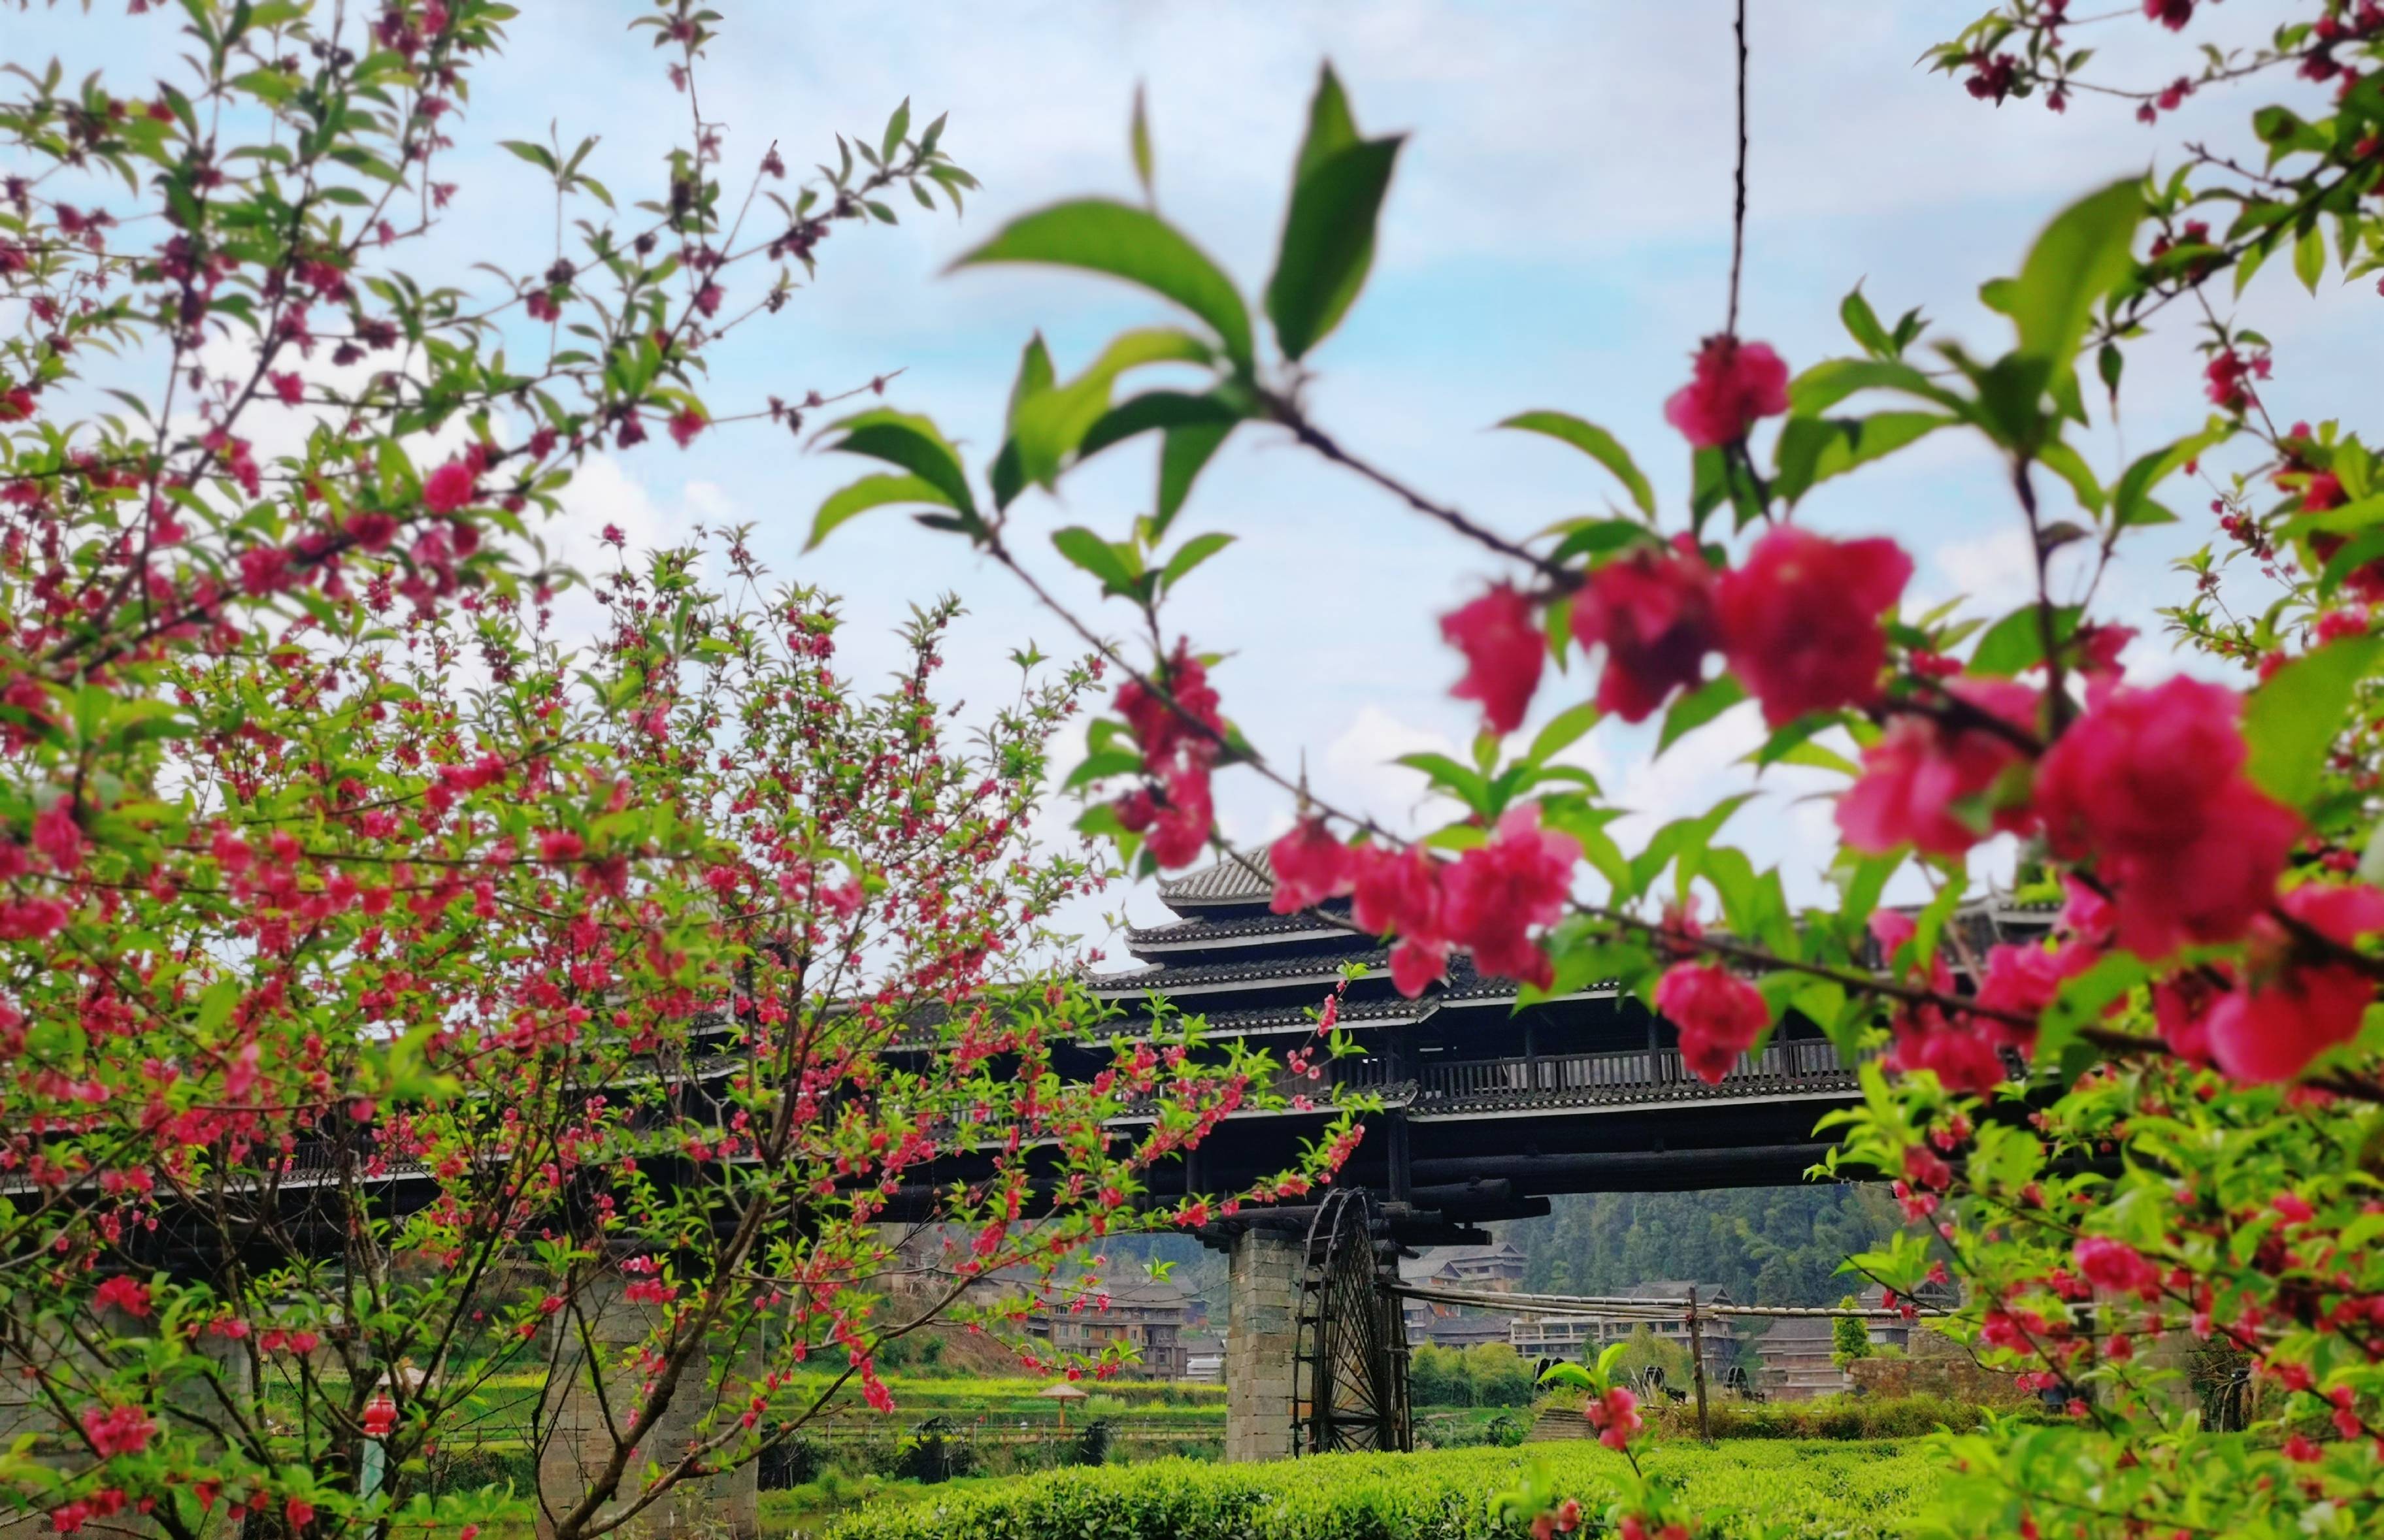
column 2189, row 1157
column 397, row 995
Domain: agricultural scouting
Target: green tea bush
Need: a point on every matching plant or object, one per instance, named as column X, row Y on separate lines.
column 1782, row 1490
column 1827, row 1417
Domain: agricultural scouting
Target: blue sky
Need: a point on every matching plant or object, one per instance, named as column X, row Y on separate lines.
column 1557, row 237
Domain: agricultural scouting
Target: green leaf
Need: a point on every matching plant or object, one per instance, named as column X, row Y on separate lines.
column 1098, row 557
column 1154, row 409
column 1035, row 377
column 1562, row 732
column 2357, row 551
column 1181, row 456
column 1596, row 442
column 1862, row 325
column 216, row 1005
column 869, row 492
column 1468, row 786
column 2309, row 257
column 1050, row 425
column 1834, row 380
column 1815, row 756
column 1328, row 232
column 2079, row 1002
column 896, row 127
column 2071, row 467
column 2132, row 496
column 2083, row 255
column 1104, row 236
column 2016, row 642
column 1699, row 707
column 1190, row 554
column 1812, row 449
column 1101, row 765
column 2110, row 362
column 2290, row 722
column 1139, row 145
column 2361, row 514
column 912, row 442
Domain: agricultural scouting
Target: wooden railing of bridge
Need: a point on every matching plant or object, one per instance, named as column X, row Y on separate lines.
column 1558, row 1080
column 1632, row 1075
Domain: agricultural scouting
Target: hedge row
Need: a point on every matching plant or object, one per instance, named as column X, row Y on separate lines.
column 1774, row 1488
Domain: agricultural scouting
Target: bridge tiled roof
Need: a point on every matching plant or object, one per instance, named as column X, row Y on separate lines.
column 1201, row 930
column 1261, row 972
column 1394, row 1012
column 1231, row 881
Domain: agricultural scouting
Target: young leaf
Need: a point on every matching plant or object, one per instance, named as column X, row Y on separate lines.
column 869, row 492
column 2016, row 641
column 1181, row 456
column 2132, row 495
column 1104, row 236
column 1198, row 549
column 912, row 442
column 1862, row 325
column 2290, row 721
column 1562, row 732
column 1139, row 145
column 2080, row 256
column 1328, row 233
column 1596, row 442
column 1098, row 557
column 1699, row 707
column 1812, row 449
column 1154, row 409
column 1049, row 425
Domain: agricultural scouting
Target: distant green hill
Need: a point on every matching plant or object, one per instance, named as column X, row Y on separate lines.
column 1770, row 1245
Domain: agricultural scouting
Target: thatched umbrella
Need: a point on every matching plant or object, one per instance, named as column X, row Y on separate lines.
column 1064, row 1393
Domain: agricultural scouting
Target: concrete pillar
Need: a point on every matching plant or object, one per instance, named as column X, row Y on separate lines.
column 579, row 1442
column 1263, row 1289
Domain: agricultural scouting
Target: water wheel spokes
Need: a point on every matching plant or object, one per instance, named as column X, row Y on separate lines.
column 1351, row 1350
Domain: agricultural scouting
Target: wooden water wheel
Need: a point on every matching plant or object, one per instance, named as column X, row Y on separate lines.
column 1350, row 1373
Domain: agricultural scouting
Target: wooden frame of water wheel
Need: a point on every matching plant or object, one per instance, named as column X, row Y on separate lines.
column 1349, row 1387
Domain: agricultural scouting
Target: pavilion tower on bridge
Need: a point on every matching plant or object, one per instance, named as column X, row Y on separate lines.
column 1487, row 1109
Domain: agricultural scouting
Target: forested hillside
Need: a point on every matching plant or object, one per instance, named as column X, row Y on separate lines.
column 1773, row 1246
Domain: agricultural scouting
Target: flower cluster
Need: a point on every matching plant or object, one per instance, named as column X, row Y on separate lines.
column 1175, row 725
column 1489, row 900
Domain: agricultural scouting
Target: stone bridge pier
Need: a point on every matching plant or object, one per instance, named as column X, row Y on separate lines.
column 578, row 1438
column 1263, row 1267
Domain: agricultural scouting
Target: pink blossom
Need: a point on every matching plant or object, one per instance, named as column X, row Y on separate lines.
column 2117, row 1266
column 450, row 488
column 1498, row 891
column 1719, row 1016
column 58, row 836
column 1503, row 652
column 1800, row 620
column 2150, row 785
column 1927, row 781
column 1310, row 865
column 1734, row 384
column 123, row 1293
column 1653, row 613
column 117, row 1430
column 2297, row 1006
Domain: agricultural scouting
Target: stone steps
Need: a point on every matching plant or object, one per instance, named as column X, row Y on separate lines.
column 1560, row 1421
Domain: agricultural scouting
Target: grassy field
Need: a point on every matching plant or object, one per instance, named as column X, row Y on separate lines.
column 1797, row 1491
